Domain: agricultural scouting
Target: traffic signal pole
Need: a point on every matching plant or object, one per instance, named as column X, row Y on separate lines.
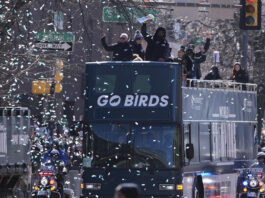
column 244, row 59
column 250, row 19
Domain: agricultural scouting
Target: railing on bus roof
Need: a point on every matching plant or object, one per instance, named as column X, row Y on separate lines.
column 221, row 84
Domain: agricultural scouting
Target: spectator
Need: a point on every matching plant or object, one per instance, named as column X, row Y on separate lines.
column 122, row 51
column 193, row 60
column 238, row 74
column 137, row 45
column 157, row 45
column 192, row 63
column 213, row 74
column 126, row 190
column 180, row 57
column 180, row 60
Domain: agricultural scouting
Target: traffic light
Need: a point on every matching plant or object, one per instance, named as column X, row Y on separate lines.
column 250, row 15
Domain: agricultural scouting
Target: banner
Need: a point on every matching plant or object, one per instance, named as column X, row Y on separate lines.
column 210, row 104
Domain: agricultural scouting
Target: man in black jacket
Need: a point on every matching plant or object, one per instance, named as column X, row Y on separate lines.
column 193, row 60
column 122, row 51
column 157, row 45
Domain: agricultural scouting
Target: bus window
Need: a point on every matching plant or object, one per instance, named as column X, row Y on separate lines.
column 223, row 141
column 229, row 130
column 205, row 154
column 216, row 143
column 142, row 84
column 156, row 146
column 105, row 83
column 110, row 145
column 195, row 141
column 244, row 141
column 146, row 81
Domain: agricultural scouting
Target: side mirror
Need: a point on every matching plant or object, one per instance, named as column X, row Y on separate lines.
column 189, row 151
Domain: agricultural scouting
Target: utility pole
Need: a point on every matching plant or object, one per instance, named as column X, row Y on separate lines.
column 244, row 59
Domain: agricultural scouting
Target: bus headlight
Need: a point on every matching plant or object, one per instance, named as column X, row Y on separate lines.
column 93, row 186
column 253, row 183
column 166, row 187
column 44, row 181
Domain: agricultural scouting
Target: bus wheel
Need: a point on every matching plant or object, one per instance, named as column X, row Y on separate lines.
column 198, row 189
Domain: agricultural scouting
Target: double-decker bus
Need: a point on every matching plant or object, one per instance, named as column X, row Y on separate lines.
column 142, row 124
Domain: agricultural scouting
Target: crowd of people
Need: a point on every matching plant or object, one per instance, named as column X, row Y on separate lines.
column 46, row 144
column 158, row 49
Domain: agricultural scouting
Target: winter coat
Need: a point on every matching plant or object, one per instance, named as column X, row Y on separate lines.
column 121, row 51
column 193, row 65
column 156, row 47
column 213, row 74
column 240, row 76
column 137, row 49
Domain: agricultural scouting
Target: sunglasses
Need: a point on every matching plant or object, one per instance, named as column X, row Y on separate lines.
column 123, row 38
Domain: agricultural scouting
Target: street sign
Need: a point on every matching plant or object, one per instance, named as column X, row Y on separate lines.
column 55, row 46
column 55, row 36
column 111, row 14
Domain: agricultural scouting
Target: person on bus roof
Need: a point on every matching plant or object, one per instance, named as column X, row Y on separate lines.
column 192, row 63
column 193, row 60
column 122, row 51
column 213, row 74
column 238, row 74
column 126, row 190
column 157, row 45
column 137, row 45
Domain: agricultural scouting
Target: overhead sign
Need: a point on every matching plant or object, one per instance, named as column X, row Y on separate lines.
column 52, row 36
column 54, row 46
column 111, row 14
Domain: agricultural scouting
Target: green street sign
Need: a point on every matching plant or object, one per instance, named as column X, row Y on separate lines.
column 111, row 14
column 54, row 36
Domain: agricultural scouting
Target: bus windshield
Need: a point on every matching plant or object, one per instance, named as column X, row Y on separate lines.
column 134, row 146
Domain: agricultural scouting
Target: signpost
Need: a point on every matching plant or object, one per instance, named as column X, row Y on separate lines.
column 54, row 40
column 54, row 46
column 111, row 14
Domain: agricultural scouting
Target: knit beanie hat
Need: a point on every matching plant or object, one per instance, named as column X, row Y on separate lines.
column 138, row 35
column 124, row 35
column 129, row 190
